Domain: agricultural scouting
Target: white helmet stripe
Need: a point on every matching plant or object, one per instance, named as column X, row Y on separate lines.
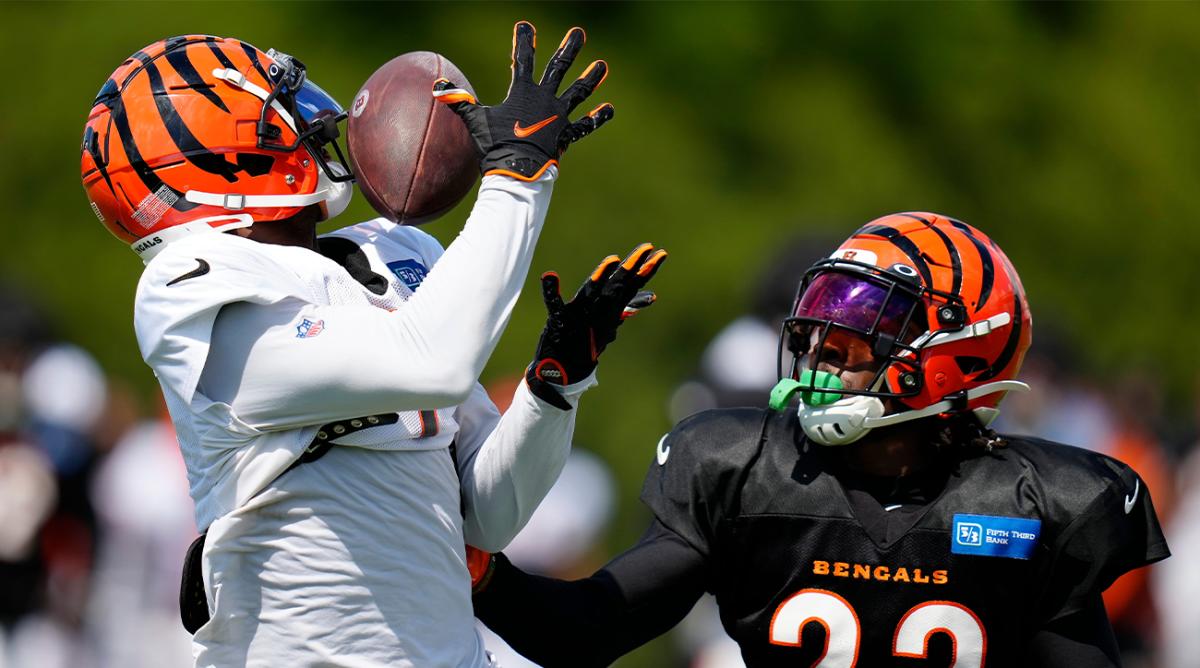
column 981, row 328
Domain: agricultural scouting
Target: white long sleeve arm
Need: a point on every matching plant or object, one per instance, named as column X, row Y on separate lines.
column 426, row 354
column 508, row 463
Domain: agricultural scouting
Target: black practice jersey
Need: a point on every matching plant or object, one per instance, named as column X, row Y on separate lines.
column 1013, row 540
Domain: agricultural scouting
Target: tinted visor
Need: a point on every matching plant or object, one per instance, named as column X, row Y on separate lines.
column 859, row 304
column 312, row 102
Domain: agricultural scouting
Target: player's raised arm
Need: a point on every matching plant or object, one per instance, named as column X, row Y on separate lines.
column 429, row 352
column 507, row 469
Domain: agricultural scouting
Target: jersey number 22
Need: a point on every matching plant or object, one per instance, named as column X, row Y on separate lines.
column 843, row 631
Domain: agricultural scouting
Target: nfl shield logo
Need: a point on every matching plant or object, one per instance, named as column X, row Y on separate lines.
column 309, row 328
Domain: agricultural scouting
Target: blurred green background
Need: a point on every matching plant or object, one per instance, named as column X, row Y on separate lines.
column 1068, row 132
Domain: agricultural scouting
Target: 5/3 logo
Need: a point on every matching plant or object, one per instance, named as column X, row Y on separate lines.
column 843, row 632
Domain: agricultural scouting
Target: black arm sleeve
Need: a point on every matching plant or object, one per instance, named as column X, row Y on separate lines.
column 639, row 595
column 1082, row 639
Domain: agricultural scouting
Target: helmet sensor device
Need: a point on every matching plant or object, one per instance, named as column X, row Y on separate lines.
column 315, row 113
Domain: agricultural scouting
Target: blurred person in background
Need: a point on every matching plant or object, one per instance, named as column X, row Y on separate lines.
column 883, row 517
column 140, row 493
column 58, row 417
column 1121, row 421
column 1136, row 406
column 28, row 488
column 1062, row 404
column 737, row 367
column 1175, row 583
column 362, row 349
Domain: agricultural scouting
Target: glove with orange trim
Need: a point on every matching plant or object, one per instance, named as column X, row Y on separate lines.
column 529, row 131
column 579, row 330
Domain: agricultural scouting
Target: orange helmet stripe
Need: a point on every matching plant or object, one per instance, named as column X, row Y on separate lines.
column 1010, row 345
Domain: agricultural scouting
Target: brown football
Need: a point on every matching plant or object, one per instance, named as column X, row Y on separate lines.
column 412, row 156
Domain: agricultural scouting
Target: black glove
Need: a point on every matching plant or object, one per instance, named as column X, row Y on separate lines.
column 529, row 131
column 578, row 331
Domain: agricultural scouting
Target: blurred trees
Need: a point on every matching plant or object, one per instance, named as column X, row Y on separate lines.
column 1067, row 131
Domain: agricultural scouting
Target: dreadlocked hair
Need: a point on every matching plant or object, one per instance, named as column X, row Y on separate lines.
column 964, row 431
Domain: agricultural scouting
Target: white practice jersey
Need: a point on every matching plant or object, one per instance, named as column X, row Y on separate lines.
column 357, row 558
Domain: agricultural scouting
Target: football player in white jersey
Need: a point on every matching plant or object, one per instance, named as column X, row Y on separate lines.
column 339, row 448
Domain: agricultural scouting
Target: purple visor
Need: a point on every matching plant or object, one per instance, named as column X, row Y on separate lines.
column 859, row 304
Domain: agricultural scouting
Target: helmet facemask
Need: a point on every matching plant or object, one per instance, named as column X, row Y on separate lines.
column 313, row 116
column 847, row 304
column 938, row 307
column 313, row 113
column 873, row 320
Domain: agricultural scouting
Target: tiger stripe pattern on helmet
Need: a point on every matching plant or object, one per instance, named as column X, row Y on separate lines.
column 979, row 325
column 163, row 125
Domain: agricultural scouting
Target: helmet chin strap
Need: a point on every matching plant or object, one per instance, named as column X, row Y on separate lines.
column 847, row 420
column 334, row 196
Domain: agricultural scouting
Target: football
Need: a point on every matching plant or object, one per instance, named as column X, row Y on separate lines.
column 412, row 156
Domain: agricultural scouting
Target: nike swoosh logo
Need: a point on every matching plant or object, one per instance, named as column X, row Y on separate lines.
column 1130, row 500
column 198, row 271
column 525, row 132
column 663, row 452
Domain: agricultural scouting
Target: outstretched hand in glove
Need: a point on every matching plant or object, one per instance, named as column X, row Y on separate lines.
column 579, row 330
column 530, row 129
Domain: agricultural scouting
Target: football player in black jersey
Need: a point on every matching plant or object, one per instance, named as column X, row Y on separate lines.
column 881, row 523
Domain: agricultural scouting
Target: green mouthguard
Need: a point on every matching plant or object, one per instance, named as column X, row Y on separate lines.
column 782, row 393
